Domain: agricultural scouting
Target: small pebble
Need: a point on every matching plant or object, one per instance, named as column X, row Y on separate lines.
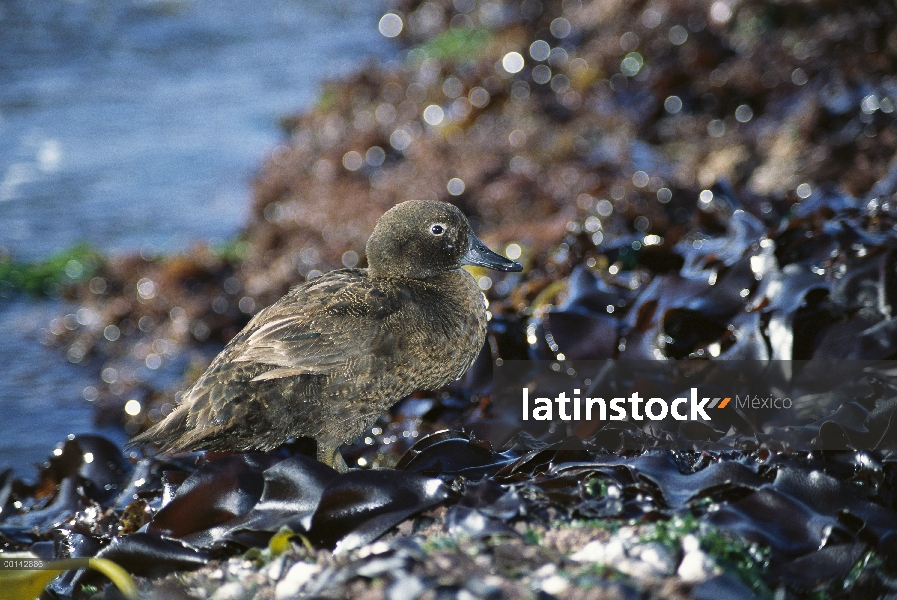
column 592, row 552
column 230, row 591
column 275, row 570
column 690, row 543
column 696, row 566
column 298, row 575
column 659, row 558
column 555, row 585
column 405, row 587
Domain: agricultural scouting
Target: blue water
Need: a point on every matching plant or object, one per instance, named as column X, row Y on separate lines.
column 140, row 122
column 135, row 125
column 41, row 395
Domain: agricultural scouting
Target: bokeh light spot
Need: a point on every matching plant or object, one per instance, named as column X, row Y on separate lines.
column 678, row 35
column 512, row 62
column 632, row 64
column 541, row 74
column 720, row 12
column 560, row 28
column 539, row 50
column 375, row 156
column 716, row 128
column 434, row 114
column 400, row 139
column 390, row 25
column 479, row 97
column 455, row 186
column 672, row 104
column 352, row 160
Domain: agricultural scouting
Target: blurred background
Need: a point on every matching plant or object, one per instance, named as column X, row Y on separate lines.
column 136, row 126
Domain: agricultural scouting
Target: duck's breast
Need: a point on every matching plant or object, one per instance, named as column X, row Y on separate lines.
column 441, row 329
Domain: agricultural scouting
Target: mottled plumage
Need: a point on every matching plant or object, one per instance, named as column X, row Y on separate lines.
column 326, row 360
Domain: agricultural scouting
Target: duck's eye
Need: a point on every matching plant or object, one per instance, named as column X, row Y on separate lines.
column 437, row 229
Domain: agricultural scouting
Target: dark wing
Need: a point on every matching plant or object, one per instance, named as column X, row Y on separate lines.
column 324, row 327
column 332, row 328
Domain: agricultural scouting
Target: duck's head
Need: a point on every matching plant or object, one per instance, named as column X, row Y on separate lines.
column 419, row 239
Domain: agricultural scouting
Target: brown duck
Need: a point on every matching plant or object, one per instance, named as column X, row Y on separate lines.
column 326, row 360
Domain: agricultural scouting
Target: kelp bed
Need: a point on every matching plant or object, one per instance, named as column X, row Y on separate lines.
column 683, row 180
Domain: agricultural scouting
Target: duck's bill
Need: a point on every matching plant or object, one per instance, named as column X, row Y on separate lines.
column 478, row 254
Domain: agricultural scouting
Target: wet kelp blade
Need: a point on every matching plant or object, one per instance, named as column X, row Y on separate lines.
column 358, row 507
column 451, row 453
column 244, row 499
column 217, row 492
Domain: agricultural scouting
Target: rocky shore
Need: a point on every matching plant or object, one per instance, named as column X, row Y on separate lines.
column 681, row 179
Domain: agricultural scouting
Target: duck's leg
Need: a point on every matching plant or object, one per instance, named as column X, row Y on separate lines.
column 329, row 454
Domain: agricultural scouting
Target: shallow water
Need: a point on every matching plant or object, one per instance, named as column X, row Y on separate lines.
column 141, row 122
column 137, row 125
column 41, row 395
